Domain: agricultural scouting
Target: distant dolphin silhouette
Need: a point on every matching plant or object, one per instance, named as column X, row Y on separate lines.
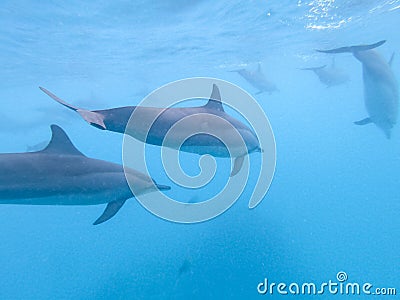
column 61, row 175
column 116, row 119
column 185, row 269
column 381, row 92
column 257, row 79
column 330, row 76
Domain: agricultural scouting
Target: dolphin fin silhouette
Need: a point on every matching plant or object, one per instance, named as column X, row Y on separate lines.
column 110, row 211
column 313, row 68
column 237, row 165
column 215, row 100
column 363, row 121
column 353, row 48
column 93, row 118
column 390, row 62
column 60, row 143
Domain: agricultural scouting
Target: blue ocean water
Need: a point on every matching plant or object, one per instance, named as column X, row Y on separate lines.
column 334, row 202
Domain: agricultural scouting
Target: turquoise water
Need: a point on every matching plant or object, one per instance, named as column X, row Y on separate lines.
column 334, row 201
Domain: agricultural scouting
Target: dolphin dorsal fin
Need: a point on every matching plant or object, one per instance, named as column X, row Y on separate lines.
column 215, row 100
column 60, row 143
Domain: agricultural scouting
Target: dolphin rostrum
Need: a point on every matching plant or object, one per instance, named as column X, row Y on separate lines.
column 116, row 119
column 381, row 92
column 330, row 76
column 257, row 79
column 61, row 175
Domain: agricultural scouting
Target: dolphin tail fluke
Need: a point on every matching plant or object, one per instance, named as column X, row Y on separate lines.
column 59, row 100
column 237, row 165
column 353, row 48
column 363, row 121
column 93, row 118
column 313, row 68
column 110, row 211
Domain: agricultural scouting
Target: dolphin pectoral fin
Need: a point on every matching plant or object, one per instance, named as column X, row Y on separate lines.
column 363, row 121
column 353, row 48
column 237, row 165
column 313, row 68
column 260, row 92
column 110, row 211
column 391, row 59
column 163, row 187
column 93, row 118
column 237, row 70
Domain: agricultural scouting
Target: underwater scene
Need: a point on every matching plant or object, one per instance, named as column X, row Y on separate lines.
column 200, row 149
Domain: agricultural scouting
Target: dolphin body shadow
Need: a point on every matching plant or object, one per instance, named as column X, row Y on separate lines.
column 117, row 120
column 329, row 75
column 257, row 79
column 61, row 175
column 381, row 92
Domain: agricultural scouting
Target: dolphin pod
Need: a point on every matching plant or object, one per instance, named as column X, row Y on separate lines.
column 117, row 119
column 381, row 92
column 61, row 175
column 330, row 76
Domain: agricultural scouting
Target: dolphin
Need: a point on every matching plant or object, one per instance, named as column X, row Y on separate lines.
column 257, row 79
column 116, row 120
column 61, row 175
column 330, row 76
column 186, row 268
column 381, row 92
